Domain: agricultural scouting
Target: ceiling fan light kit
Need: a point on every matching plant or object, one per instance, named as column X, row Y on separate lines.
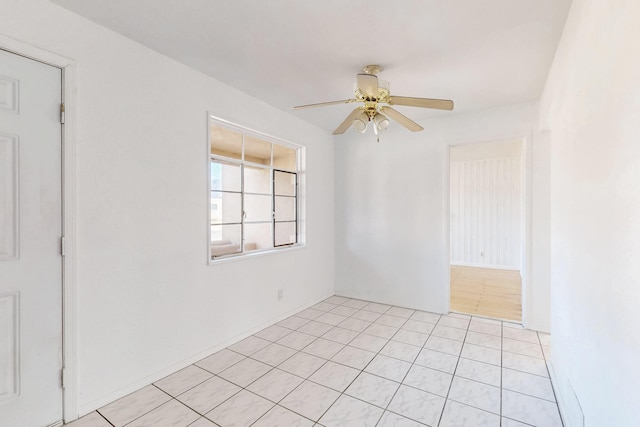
column 373, row 93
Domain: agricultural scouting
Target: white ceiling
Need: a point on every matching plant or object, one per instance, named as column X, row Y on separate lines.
column 480, row 53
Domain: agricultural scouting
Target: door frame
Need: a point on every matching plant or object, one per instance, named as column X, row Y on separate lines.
column 525, row 217
column 68, row 167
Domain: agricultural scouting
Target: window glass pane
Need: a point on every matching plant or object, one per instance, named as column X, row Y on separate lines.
column 225, row 207
column 285, row 233
column 257, row 208
column 284, row 158
column 284, row 183
column 257, row 180
column 257, row 150
column 225, row 239
column 285, row 208
column 225, row 142
column 225, row 176
column 257, row 236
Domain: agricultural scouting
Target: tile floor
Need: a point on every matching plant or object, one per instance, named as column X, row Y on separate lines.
column 346, row 362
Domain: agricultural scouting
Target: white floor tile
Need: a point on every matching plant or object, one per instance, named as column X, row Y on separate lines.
column 353, row 357
column 522, row 347
column 373, row 389
column 93, row 419
column 425, row 316
column 519, row 362
column 521, row 335
column 449, row 332
column 203, row 422
column 417, row 405
column 444, row 345
column 356, row 303
column 293, row 322
column 545, row 339
column 428, row 379
column 418, row 326
column 377, row 308
column 400, row 312
column 349, row 412
column 245, row 372
column 437, row 360
column 314, row 328
column 410, row 337
column 389, row 419
column 355, row 324
column 249, row 345
column 273, row 333
column 310, row 314
column 485, row 328
column 296, row 340
column 206, row 396
column 220, row 361
column 388, row 367
column 400, row 350
column 282, row 417
column 183, row 380
column 323, row 348
column 381, row 331
column 484, row 340
column 337, row 300
column 335, row 376
column 530, row 410
column 134, row 405
column 330, row 319
column 458, row 415
column 302, row 364
column 341, row 335
column 393, row 321
column 324, row 306
column 344, row 311
column 241, row 410
column 275, row 385
column 481, row 354
column 310, row 400
column 368, row 316
column 454, row 322
column 532, row 385
column 171, row 414
column 273, row 354
column 507, row 422
column 368, row 342
column 479, row 371
column 478, row 395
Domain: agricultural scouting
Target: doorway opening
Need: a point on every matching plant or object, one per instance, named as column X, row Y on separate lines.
column 486, row 228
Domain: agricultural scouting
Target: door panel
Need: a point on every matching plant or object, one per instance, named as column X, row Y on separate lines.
column 30, row 230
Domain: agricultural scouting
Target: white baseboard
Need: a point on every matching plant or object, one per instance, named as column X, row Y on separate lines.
column 491, row 266
column 113, row 396
column 570, row 417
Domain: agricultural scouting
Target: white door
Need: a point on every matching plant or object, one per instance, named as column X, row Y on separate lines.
column 30, row 230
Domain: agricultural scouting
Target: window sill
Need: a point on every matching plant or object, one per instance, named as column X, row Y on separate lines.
column 253, row 254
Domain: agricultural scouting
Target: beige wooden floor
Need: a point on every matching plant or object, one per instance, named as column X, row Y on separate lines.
column 486, row 292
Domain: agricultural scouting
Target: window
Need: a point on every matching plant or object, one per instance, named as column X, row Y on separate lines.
column 254, row 183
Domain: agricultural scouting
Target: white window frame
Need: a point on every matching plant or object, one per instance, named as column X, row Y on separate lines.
column 300, row 188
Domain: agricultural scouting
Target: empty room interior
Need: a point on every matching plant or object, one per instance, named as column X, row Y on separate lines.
column 338, row 213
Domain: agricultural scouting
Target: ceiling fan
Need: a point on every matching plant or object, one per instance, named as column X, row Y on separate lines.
column 374, row 94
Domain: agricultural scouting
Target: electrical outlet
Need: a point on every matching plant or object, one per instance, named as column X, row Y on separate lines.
column 482, row 254
column 280, row 294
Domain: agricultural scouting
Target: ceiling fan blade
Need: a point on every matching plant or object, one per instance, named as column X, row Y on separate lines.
column 322, row 104
column 439, row 104
column 368, row 85
column 402, row 119
column 348, row 121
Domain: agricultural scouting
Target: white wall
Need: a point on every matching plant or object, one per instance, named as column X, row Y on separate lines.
column 392, row 231
column 486, row 204
column 147, row 301
column 591, row 106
